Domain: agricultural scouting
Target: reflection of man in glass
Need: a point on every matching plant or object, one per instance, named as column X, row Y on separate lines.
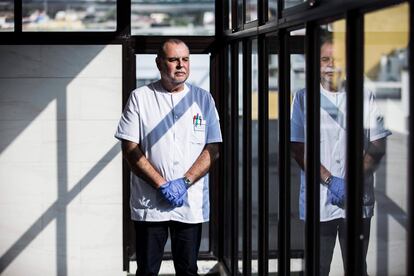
column 333, row 151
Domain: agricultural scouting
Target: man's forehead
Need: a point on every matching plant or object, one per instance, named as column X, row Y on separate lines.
column 174, row 48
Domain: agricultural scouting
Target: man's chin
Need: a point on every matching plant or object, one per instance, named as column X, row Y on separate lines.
column 179, row 81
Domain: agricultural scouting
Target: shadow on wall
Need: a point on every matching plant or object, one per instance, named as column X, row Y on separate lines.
column 48, row 105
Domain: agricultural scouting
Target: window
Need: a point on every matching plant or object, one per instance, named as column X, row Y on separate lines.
column 177, row 17
column 6, row 15
column 55, row 15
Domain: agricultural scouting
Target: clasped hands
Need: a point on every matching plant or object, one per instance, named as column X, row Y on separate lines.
column 174, row 192
column 336, row 192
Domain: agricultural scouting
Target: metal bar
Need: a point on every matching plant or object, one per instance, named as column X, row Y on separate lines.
column 217, row 78
column 18, row 16
column 280, row 7
column 123, row 17
column 128, row 84
column 312, row 174
column 262, row 11
column 247, row 158
column 235, row 156
column 227, row 198
column 410, row 230
column 354, row 150
column 263, row 177
column 234, row 15
column 284, row 156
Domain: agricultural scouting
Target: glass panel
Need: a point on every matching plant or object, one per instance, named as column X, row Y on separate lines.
column 147, row 72
column 292, row 3
column 273, row 155
column 255, row 157
column 241, row 157
column 172, row 17
column 386, row 115
column 332, row 146
column 6, row 15
column 297, row 86
column 272, row 12
column 53, row 15
column 251, row 10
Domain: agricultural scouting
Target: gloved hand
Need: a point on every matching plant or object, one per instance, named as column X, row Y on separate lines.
column 336, row 191
column 174, row 191
column 334, row 200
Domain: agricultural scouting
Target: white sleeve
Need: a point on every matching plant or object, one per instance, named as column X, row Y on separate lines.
column 297, row 121
column 128, row 126
column 213, row 128
column 376, row 121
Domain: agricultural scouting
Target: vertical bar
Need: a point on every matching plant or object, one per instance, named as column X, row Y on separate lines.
column 18, row 16
column 354, row 150
column 235, row 156
column 280, row 7
column 123, row 17
column 410, row 232
column 262, row 11
column 312, row 150
column 263, row 179
column 240, row 14
column 247, row 155
column 128, row 84
column 221, row 17
column 284, row 156
column 234, row 15
column 217, row 77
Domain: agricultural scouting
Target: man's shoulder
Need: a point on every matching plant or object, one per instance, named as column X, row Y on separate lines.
column 145, row 89
column 197, row 89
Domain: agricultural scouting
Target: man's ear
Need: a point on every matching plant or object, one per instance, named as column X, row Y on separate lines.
column 158, row 62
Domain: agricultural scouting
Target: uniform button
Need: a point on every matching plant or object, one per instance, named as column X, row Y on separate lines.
column 176, row 116
column 176, row 162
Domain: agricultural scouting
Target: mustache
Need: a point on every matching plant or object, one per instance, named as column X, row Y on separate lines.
column 331, row 70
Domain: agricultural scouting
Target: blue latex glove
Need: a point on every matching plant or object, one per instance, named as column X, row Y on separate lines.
column 334, row 200
column 336, row 191
column 174, row 192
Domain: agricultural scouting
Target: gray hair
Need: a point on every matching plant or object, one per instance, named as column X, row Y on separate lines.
column 161, row 49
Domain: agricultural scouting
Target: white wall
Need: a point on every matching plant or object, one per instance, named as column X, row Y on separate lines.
column 60, row 167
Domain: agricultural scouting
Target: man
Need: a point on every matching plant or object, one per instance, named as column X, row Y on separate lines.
column 332, row 154
column 170, row 133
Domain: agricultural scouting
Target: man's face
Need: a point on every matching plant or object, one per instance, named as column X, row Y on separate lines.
column 330, row 74
column 175, row 65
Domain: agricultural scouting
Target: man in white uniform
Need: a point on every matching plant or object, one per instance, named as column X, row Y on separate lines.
column 332, row 154
column 170, row 133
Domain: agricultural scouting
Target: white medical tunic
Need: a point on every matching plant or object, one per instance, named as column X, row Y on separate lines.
column 333, row 144
column 172, row 130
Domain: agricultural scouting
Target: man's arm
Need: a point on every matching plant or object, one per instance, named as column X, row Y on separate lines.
column 374, row 154
column 203, row 163
column 298, row 153
column 140, row 165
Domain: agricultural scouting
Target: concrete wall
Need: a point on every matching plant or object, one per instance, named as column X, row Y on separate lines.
column 60, row 167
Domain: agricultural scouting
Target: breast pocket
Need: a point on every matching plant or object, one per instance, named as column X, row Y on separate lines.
column 198, row 135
